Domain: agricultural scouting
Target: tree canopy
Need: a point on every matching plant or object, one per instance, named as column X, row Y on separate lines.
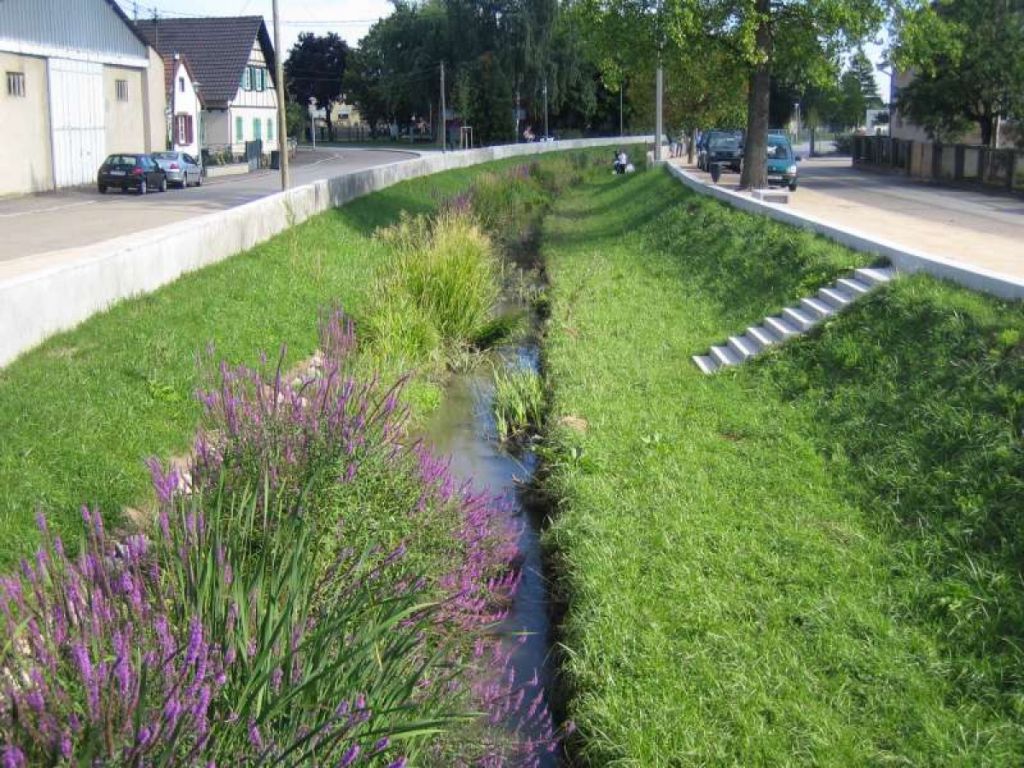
column 316, row 67
column 967, row 57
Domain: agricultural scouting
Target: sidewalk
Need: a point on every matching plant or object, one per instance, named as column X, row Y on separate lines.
column 970, row 228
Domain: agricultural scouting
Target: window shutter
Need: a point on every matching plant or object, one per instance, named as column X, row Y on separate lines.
column 188, row 129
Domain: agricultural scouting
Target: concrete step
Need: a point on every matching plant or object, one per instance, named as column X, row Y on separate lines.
column 706, row 363
column 852, row 286
column 781, row 327
column 874, row 275
column 837, row 299
column 795, row 320
column 818, row 307
column 763, row 336
column 725, row 356
column 799, row 318
column 743, row 346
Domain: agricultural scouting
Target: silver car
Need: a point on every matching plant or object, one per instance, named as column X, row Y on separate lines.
column 182, row 170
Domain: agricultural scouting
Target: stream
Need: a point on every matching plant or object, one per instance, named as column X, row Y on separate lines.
column 463, row 427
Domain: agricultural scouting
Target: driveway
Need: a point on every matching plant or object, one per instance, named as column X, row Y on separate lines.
column 39, row 224
column 984, row 230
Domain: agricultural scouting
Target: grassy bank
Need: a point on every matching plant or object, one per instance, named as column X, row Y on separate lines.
column 811, row 560
column 79, row 414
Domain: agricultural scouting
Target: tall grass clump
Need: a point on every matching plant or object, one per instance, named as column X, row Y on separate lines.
column 438, row 289
column 518, row 401
column 317, row 590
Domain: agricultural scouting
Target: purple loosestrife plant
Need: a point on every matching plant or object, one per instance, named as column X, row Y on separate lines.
column 344, row 448
column 96, row 665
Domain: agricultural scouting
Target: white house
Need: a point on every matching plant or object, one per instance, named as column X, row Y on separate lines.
column 232, row 59
column 184, row 106
column 78, row 84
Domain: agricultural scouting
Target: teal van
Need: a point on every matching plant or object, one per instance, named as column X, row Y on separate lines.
column 781, row 161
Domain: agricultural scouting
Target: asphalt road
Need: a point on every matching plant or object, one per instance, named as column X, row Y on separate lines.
column 55, row 221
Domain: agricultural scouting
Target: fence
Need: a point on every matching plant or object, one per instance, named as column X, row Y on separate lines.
column 943, row 163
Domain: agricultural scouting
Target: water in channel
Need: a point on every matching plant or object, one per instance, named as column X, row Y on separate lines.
column 463, row 427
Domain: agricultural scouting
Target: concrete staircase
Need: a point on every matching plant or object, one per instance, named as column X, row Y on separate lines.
column 795, row 320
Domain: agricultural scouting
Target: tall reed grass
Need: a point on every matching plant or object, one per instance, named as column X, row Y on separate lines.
column 438, row 289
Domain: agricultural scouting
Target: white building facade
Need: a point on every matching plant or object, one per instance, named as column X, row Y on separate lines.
column 231, row 63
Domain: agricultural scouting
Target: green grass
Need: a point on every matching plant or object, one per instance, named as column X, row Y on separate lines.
column 81, row 413
column 812, row 560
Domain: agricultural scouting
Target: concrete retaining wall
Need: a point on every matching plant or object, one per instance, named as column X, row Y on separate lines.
column 76, row 284
column 904, row 259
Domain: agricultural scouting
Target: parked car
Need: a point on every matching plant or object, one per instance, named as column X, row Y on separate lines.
column 131, row 171
column 782, row 168
column 182, row 170
column 724, row 148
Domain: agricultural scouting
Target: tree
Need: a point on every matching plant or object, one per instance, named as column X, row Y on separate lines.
column 968, row 60
column 794, row 39
column 858, row 91
column 315, row 68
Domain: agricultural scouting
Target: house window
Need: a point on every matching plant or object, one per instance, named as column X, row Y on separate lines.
column 121, row 89
column 257, row 129
column 183, row 130
column 270, row 129
column 247, row 79
column 257, row 74
column 239, row 129
column 15, row 83
column 181, row 84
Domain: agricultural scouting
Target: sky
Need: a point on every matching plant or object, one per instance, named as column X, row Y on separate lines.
column 351, row 19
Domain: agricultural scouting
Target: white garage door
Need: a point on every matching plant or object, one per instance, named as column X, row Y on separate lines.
column 76, row 120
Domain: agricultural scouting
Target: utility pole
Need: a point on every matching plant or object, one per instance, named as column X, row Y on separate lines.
column 659, row 128
column 444, row 123
column 546, row 109
column 282, row 119
column 518, row 103
column 621, row 86
column 659, row 92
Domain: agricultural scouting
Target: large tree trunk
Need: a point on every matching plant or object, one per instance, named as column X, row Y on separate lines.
column 755, row 158
column 985, row 124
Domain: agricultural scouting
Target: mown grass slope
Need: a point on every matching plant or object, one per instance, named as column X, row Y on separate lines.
column 811, row 560
column 80, row 414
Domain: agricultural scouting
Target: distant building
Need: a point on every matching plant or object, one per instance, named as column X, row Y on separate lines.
column 902, row 127
column 77, row 86
column 184, row 106
column 232, row 59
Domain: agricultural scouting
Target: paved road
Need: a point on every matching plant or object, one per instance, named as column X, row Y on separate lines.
column 985, row 230
column 38, row 224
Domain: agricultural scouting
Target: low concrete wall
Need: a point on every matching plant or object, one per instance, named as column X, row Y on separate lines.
column 81, row 282
column 904, row 259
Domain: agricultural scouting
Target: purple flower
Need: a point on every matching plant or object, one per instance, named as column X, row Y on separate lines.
column 350, row 756
column 13, row 757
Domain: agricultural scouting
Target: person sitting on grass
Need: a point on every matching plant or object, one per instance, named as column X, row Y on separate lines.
column 621, row 161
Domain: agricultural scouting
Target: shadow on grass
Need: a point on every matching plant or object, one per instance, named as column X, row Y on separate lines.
column 747, row 265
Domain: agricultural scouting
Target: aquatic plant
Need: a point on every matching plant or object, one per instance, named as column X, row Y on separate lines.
column 518, row 401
